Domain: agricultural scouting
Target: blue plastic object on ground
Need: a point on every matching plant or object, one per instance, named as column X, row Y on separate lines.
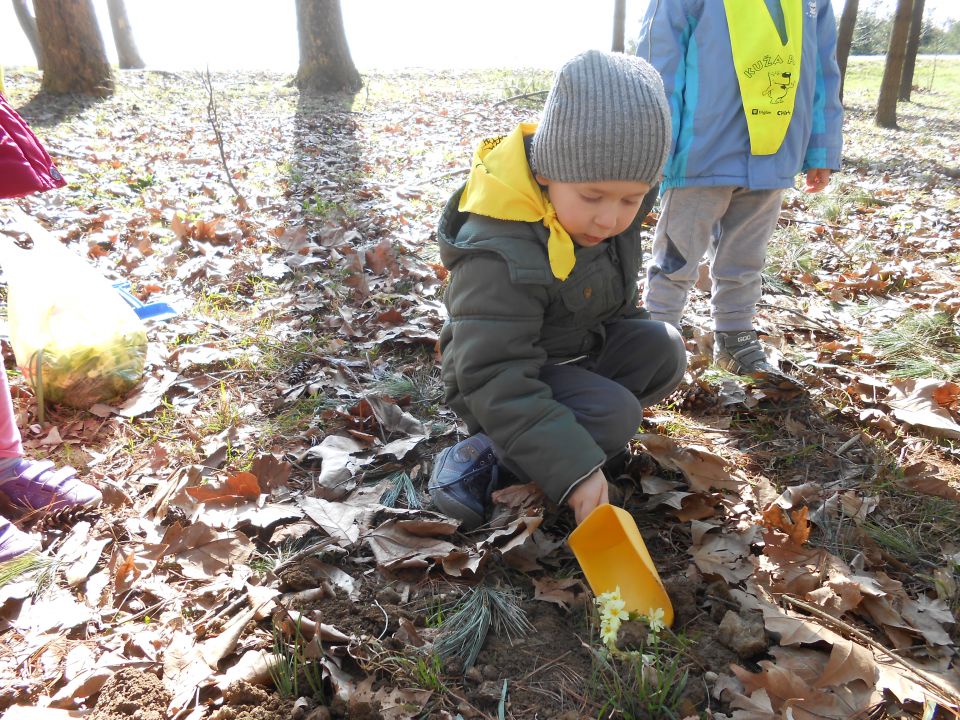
column 144, row 311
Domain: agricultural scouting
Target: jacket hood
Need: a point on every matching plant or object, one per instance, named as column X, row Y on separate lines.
column 501, row 186
column 521, row 245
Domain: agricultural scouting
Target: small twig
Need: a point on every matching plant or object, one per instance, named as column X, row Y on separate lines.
column 300, row 554
column 800, row 315
column 142, row 613
column 536, row 93
column 863, row 637
column 215, row 123
column 435, row 178
column 462, row 699
column 724, row 601
column 847, row 445
column 823, row 223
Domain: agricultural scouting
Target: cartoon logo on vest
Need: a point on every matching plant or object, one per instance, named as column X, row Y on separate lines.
column 780, row 82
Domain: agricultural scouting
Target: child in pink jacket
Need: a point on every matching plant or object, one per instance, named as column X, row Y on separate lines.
column 25, row 167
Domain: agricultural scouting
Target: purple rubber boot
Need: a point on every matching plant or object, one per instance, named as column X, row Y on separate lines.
column 38, row 485
column 13, row 541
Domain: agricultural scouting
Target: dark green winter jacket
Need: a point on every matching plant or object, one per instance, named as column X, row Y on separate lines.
column 508, row 316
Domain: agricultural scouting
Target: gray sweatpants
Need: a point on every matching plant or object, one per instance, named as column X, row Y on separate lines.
column 733, row 226
column 641, row 363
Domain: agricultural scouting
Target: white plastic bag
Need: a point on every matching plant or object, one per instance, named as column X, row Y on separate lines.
column 75, row 339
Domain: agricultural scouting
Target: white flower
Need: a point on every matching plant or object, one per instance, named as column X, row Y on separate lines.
column 609, row 627
column 655, row 620
column 604, row 598
column 608, row 633
column 614, row 609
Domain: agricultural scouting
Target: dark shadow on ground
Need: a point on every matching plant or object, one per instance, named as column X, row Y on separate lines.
column 326, row 167
column 46, row 110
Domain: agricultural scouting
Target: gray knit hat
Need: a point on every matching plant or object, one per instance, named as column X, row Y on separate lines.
column 606, row 118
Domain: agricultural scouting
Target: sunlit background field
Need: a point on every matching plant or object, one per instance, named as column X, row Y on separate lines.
column 383, row 34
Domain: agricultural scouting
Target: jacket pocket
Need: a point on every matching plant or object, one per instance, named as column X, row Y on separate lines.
column 581, row 300
column 590, row 300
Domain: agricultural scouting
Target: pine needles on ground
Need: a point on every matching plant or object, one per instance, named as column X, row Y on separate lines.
column 401, row 484
column 422, row 387
column 467, row 623
column 22, row 567
column 920, row 345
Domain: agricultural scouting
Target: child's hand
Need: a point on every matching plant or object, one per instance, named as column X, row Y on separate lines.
column 817, row 180
column 588, row 495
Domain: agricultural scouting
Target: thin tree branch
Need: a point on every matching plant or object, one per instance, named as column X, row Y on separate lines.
column 934, row 685
column 215, row 124
column 537, row 93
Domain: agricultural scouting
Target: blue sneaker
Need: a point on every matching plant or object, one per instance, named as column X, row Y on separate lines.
column 464, row 475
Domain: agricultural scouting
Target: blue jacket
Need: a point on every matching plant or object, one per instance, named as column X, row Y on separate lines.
column 689, row 43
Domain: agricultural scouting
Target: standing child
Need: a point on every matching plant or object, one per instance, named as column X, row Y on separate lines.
column 753, row 87
column 546, row 356
column 25, row 167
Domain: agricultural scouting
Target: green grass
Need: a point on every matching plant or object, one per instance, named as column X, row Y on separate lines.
column 219, row 412
column 676, row 423
column 292, row 671
column 929, row 117
column 299, row 415
column 940, row 76
column 644, row 682
column 320, row 207
column 428, row 673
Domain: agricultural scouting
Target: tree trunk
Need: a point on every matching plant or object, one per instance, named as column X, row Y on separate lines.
column 619, row 24
column 893, row 69
column 913, row 44
column 848, row 21
column 325, row 62
column 74, row 60
column 29, row 25
column 127, row 54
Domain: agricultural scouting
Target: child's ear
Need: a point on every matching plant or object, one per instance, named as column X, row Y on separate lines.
column 541, row 180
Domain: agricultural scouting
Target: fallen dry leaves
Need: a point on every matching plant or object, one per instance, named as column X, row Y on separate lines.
column 273, row 459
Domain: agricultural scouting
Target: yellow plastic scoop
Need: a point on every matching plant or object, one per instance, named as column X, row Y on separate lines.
column 611, row 552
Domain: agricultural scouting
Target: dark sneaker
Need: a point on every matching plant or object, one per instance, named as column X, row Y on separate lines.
column 464, row 475
column 37, row 485
column 741, row 353
column 14, row 542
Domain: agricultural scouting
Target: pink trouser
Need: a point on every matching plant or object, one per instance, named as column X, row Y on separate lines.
column 10, row 445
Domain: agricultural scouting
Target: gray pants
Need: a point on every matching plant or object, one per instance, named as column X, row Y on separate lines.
column 733, row 225
column 641, row 363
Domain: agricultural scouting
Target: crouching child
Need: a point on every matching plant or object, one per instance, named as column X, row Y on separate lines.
column 546, row 356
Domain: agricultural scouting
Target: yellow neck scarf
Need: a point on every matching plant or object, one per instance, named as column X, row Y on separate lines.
column 768, row 70
column 501, row 186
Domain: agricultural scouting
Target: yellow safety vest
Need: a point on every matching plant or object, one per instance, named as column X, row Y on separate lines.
column 768, row 69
